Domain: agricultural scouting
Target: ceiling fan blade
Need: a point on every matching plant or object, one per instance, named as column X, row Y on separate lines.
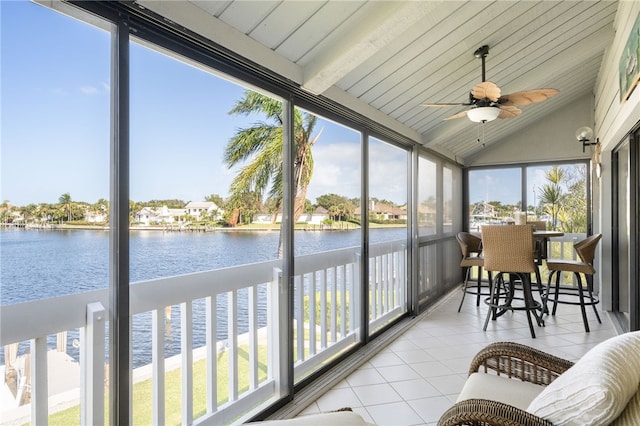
column 527, row 97
column 443, row 105
column 509, row 111
column 458, row 115
column 486, row 89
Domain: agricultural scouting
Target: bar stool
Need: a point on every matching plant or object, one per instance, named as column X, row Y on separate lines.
column 471, row 248
column 586, row 252
column 510, row 250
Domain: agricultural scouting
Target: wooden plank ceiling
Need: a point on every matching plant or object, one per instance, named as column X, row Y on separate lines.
column 393, row 56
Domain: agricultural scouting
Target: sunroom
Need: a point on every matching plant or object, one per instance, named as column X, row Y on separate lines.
column 358, row 115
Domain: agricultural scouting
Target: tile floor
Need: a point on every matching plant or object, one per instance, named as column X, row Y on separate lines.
column 419, row 375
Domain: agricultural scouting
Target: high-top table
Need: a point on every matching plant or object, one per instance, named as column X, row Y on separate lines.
column 543, row 238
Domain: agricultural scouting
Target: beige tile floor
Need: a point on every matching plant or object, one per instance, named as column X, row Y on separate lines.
column 419, row 375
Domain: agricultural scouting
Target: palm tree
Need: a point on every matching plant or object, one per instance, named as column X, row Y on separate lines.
column 261, row 146
column 65, row 200
column 134, row 209
column 551, row 195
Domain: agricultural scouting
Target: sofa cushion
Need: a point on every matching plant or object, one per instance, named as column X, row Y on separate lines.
column 499, row 388
column 631, row 414
column 596, row 389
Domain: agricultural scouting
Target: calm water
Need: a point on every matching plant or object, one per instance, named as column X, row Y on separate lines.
column 42, row 264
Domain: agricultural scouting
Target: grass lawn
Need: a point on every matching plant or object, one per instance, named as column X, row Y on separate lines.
column 142, row 391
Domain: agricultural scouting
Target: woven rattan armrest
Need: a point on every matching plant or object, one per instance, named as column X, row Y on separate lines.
column 519, row 361
column 480, row 412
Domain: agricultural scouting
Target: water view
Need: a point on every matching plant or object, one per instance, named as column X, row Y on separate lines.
column 40, row 264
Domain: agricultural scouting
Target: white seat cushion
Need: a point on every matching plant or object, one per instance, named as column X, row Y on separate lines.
column 500, row 388
column 597, row 388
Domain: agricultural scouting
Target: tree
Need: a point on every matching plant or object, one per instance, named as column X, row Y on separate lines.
column 261, row 146
column 334, row 212
column 572, row 213
column 102, row 205
column 551, row 195
column 134, row 209
column 339, row 207
column 309, row 207
column 564, row 198
column 29, row 212
column 65, row 200
column 215, row 198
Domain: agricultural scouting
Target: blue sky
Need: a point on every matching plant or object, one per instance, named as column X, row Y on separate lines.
column 55, row 121
column 55, row 94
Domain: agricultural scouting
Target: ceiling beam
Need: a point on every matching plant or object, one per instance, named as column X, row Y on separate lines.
column 383, row 24
column 192, row 17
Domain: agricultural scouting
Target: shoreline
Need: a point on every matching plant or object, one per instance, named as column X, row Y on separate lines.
column 266, row 228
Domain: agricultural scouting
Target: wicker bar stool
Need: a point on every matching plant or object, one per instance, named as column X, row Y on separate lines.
column 586, row 251
column 471, row 248
column 510, row 250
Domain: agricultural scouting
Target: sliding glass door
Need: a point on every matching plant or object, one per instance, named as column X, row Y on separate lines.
column 626, row 180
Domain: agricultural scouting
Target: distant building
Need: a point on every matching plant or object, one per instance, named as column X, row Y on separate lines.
column 314, row 218
column 159, row 215
column 96, row 216
column 208, row 208
column 384, row 211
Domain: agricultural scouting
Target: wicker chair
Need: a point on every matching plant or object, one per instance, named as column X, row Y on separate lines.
column 510, row 250
column 514, row 384
column 509, row 360
column 538, row 225
column 471, row 248
column 586, row 252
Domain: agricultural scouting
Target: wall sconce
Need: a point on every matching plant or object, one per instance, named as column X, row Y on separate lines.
column 584, row 135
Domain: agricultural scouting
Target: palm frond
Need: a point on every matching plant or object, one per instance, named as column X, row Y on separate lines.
column 247, row 142
column 253, row 102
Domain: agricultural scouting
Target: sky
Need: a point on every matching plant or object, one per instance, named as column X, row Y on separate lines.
column 55, row 122
column 55, row 131
column 504, row 184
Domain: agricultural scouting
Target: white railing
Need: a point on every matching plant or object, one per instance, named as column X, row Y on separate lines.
column 326, row 297
column 387, row 283
column 34, row 321
column 328, row 280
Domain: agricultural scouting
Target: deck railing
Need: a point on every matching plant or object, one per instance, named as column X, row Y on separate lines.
column 327, row 300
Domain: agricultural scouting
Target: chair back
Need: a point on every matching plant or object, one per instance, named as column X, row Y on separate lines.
column 469, row 243
column 508, row 248
column 539, row 225
column 586, row 249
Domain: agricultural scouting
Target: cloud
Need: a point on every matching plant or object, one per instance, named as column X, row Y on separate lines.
column 338, row 169
column 89, row 90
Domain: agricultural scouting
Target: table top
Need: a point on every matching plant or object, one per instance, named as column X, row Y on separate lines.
column 546, row 234
column 541, row 234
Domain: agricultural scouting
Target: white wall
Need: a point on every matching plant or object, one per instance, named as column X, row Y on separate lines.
column 551, row 138
column 613, row 120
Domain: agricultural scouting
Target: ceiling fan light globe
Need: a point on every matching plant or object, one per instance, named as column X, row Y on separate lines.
column 584, row 133
column 483, row 114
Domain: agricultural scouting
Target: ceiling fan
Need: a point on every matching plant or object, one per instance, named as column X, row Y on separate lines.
column 487, row 103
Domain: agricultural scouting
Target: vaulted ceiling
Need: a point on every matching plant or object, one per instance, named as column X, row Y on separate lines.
column 387, row 58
